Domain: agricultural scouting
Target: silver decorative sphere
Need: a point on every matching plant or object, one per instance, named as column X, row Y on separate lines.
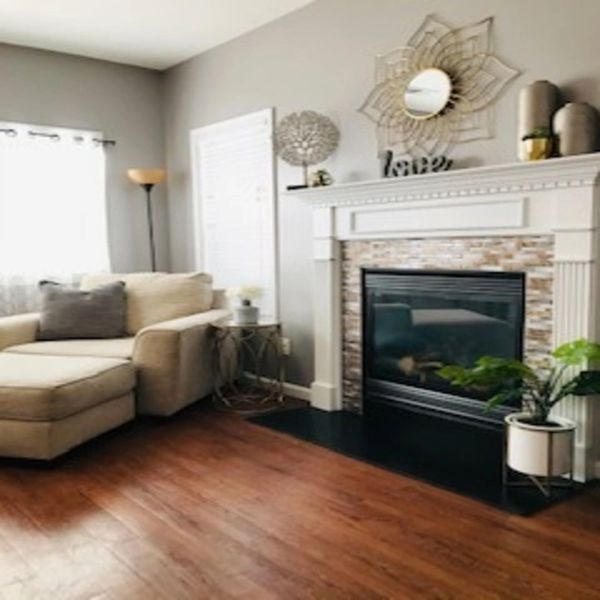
column 306, row 138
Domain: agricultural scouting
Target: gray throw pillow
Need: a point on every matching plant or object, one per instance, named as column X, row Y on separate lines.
column 70, row 313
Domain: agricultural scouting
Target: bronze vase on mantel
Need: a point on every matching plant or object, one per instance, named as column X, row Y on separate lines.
column 576, row 126
column 538, row 102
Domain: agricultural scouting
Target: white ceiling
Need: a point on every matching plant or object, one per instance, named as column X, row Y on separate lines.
column 149, row 33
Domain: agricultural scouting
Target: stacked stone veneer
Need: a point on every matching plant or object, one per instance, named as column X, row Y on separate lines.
column 532, row 255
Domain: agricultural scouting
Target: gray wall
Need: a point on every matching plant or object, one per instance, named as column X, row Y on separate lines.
column 321, row 58
column 125, row 103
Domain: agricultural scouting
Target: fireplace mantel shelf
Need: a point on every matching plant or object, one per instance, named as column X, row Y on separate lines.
column 575, row 171
column 558, row 199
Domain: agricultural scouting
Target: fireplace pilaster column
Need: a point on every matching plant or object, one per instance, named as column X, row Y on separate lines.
column 326, row 389
column 576, row 295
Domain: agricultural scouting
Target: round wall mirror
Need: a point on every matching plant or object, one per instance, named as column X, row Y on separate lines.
column 427, row 94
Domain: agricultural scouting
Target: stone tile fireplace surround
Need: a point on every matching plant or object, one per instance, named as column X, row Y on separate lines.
column 530, row 254
column 541, row 218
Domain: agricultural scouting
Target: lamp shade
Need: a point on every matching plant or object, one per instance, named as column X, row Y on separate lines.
column 147, row 176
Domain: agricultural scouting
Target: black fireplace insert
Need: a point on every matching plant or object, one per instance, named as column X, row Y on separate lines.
column 416, row 321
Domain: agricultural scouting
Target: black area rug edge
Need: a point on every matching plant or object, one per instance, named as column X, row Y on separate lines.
column 343, row 432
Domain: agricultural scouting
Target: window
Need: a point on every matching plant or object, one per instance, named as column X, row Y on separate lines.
column 52, row 209
column 234, row 193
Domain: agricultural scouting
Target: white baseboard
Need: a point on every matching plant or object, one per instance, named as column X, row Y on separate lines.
column 297, row 391
column 290, row 389
column 585, row 467
column 325, row 396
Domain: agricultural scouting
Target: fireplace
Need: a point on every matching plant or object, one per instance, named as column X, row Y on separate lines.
column 417, row 320
column 540, row 218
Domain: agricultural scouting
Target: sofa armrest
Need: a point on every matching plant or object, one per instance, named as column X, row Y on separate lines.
column 173, row 360
column 18, row 329
column 220, row 299
column 182, row 323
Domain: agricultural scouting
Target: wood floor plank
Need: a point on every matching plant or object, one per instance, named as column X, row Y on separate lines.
column 497, row 560
column 206, row 505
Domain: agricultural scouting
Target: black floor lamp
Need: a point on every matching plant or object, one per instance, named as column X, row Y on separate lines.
column 147, row 179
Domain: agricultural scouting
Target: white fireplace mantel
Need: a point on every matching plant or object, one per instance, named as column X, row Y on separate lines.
column 575, row 171
column 556, row 197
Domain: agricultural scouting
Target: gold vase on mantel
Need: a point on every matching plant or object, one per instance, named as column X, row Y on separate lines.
column 538, row 148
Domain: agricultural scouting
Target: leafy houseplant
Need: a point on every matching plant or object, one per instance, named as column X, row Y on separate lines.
column 537, row 444
column 539, row 133
column 539, row 391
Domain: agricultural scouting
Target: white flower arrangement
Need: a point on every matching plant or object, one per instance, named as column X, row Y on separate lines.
column 245, row 293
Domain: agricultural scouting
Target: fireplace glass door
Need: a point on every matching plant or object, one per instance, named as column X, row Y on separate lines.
column 415, row 322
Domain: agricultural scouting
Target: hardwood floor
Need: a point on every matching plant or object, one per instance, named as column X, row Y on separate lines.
column 206, row 505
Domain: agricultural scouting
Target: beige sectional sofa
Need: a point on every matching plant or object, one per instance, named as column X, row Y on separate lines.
column 167, row 350
column 49, row 405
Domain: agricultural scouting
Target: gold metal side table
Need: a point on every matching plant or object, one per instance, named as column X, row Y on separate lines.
column 248, row 366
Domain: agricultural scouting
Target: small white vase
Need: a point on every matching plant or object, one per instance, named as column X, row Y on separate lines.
column 539, row 450
column 246, row 315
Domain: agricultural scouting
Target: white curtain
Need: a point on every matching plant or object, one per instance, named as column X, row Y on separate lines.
column 53, row 221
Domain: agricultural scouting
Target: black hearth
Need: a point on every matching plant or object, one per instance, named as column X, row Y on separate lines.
column 414, row 423
column 415, row 321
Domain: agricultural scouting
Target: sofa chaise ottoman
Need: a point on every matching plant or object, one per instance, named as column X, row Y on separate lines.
column 50, row 404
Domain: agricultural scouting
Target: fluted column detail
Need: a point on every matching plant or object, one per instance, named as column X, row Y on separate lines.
column 574, row 318
column 575, row 306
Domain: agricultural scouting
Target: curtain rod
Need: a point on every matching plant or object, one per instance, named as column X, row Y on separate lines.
column 10, row 132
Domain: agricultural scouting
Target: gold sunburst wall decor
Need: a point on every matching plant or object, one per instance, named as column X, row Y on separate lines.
column 438, row 90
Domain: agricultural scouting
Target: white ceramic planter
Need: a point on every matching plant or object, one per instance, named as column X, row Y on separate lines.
column 246, row 315
column 539, row 451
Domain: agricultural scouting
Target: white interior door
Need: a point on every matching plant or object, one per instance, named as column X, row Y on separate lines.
column 233, row 171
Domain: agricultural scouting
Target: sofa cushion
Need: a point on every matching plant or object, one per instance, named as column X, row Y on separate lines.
column 70, row 313
column 46, row 388
column 116, row 348
column 156, row 297
column 45, row 440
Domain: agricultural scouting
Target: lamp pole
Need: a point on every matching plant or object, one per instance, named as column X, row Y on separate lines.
column 148, row 188
column 147, row 179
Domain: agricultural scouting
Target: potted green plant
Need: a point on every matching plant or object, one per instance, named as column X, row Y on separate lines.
column 534, row 434
column 245, row 312
column 539, row 143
